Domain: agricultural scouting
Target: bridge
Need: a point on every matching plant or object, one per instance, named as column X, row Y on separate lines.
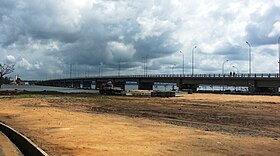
column 256, row 83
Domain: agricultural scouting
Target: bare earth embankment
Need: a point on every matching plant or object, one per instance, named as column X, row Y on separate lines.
column 197, row 124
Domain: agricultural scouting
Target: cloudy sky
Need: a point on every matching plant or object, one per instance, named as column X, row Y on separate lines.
column 43, row 37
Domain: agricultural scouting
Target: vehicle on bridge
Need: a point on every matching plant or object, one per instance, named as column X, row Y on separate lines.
column 109, row 89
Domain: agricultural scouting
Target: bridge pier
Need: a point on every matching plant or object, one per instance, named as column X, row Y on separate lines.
column 98, row 84
column 255, row 87
column 120, row 84
column 77, row 84
column 145, row 85
column 263, row 90
column 192, row 87
column 69, row 84
column 87, row 84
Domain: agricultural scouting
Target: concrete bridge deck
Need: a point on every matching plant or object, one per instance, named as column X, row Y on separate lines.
column 255, row 82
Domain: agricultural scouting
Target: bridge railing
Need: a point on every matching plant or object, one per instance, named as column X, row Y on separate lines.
column 203, row 75
column 240, row 75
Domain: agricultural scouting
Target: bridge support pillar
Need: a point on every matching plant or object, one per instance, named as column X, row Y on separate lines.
column 77, row 84
column 63, row 84
column 192, row 87
column 264, row 89
column 87, row 84
column 98, row 83
column 69, row 84
column 145, row 86
column 120, row 84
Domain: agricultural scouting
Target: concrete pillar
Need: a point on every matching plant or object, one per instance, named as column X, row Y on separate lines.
column 192, row 87
column 266, row 89
column 68, row 84
column 87, row 84
column 145, row 86
column 76, row 84
column 63, row 84
column 120, row 84
column 252, row 86
column 98, row 83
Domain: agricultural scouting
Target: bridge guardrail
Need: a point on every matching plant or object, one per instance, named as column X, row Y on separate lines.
column 239, row 75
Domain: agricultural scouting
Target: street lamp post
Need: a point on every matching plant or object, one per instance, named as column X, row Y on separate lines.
column 223, row 67
column 144, row 65
column 183, row 62
column 236, row 69
column 279, row 55
column 193, row 59
column 173, row 89
column 172, row 68
column 119, row 68
column 100, row 69
column 250, row 58
column 70, row 71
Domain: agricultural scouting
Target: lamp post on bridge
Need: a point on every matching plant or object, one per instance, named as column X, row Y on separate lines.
column 145, row 66
column 193, row 59
column 183, row 62
column 279, row 56
column 223, row 66
column 250, row 58
column 70, row 74
column 173, row 89
column 119, row 73
column 100, row 69
column 172, row 69
column 237, row 70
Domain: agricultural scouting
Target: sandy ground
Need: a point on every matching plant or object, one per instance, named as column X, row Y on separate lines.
column 197, row 124
column 7, row 148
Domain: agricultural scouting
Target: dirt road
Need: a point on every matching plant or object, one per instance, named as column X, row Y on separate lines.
column 197, row 124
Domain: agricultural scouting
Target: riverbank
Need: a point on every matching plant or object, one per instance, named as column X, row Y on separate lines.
column 193, row 124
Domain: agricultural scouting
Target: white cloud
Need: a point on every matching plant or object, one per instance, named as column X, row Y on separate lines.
column 276, row 30
column 120, row 51
column 23, row 63
column 10, row 59
column 153, row 27
column 53, row 34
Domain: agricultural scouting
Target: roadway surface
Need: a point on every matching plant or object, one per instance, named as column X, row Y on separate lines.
column 7, row 148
